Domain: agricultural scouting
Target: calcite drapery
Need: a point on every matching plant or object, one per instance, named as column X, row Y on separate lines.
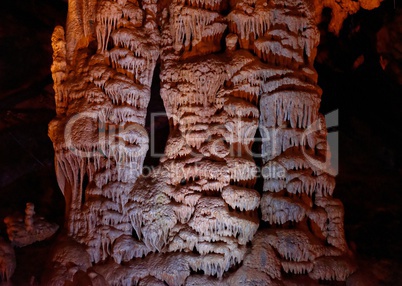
column 203, row 202
column 102, row 78
column 225, row 67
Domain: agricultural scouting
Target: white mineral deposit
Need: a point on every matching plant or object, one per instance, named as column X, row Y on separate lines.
column 227, row 69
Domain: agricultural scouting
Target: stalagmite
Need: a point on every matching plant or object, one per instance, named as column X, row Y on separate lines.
column 226, row 69
column 23, row 231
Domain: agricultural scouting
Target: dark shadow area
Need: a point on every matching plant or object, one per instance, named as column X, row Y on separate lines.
column 157, row 124
column 369, row 103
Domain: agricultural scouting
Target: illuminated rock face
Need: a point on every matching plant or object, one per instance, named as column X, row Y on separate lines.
column 222, row 75
column 102, row 77
column 203, row 204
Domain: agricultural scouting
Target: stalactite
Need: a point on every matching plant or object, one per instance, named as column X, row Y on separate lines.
column 294, row 187
column 100, row 132
column 223, row 74
column 197, row 107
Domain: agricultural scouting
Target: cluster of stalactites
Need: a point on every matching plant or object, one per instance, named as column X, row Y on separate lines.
column 198, row 209
column 102, row 96
column 196, row 27
column 200, row 201
column 282, row 33
column 298, row 185
column 253, row 18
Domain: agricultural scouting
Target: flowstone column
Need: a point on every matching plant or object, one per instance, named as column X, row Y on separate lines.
column 102, row 77
column 199, row 205
column 194, row 220
column 305, row 233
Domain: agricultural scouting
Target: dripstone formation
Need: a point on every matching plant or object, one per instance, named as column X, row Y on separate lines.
column 227, row 68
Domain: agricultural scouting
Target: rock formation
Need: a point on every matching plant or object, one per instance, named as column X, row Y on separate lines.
column 200, row 202
column 23, row 231
column 226, row 69
column 306, row 223
column 7, row 260
column 102, row 73
column 341, row 9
